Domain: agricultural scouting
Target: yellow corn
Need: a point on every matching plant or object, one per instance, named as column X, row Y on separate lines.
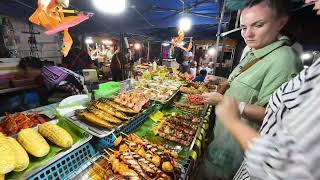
column 33, row 142
column 22, row 158
column 2, row 176
column 7, row 158
column 56, row 134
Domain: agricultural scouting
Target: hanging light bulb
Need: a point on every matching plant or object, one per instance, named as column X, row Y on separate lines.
column 89, row 40
column 185, row 23
column 110, row 6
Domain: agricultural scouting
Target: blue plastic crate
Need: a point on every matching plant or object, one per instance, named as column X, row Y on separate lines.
column 67, row 164
column 107, row 142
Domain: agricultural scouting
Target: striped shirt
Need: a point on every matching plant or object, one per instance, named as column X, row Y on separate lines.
column 281, row 151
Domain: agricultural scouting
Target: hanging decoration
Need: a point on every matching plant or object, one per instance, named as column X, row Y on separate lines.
column 178, row 42
column 51, row 15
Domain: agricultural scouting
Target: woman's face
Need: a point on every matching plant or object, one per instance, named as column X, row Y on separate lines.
column 260, row 25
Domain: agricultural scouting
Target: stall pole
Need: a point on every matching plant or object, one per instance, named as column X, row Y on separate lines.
column 219, row 31
column 148, row 57
column 123, row 56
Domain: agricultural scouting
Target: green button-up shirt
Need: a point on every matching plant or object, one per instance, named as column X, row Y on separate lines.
column 254, row 86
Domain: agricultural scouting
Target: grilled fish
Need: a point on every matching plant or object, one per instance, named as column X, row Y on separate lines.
column 109, row 109
column 105, row 116
column 93, row 119
column 120, row 108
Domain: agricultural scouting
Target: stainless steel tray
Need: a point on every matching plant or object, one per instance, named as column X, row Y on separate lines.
column 100, row 131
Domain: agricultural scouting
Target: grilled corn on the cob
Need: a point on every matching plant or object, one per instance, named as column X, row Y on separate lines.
column 93, row 119
column 103, row 115
column 7, row 160
column 107, row 108
column 56, row 134
column 22, row 158
column 33, row 142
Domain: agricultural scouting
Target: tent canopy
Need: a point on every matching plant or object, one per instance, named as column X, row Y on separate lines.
column 156, row 18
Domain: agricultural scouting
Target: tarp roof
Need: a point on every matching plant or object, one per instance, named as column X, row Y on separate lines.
column 157, row 18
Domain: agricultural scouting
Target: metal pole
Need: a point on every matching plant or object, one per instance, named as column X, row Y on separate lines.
column 237, row 20
column 219, row 31
column 148, row 57
column 123, row 58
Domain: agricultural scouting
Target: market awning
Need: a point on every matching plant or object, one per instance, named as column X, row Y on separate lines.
column 147, row 16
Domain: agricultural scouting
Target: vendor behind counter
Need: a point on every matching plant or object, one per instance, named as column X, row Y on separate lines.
column 57, row 82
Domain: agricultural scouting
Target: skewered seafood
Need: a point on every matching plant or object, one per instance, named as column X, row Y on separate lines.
column 181, row 123
column 105, row 116
column 128, row 159
column 172, row 138
column 188, row 118
column 191, row 109
column 108, row 109
column 144, row 163
column 131, row 100
column 93, row 119
column 195, row 99
column 159, row 150
column 122, row 168
column 179, row 128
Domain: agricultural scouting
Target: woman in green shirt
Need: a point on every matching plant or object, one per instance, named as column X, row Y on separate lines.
column 272, row 62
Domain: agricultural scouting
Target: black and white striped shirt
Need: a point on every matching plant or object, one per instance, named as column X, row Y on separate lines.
column 276, row 153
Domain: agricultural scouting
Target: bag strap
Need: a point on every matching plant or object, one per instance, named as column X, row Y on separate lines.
column 250, row 64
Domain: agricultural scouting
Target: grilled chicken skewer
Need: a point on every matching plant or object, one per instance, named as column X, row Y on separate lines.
column 121, row 168
column 158, row 155
column 180, row 128
column 144, row 163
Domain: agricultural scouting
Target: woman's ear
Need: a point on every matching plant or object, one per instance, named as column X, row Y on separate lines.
column 282, row 22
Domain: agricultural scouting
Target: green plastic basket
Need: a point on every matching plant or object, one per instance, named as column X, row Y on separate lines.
column 106, row 90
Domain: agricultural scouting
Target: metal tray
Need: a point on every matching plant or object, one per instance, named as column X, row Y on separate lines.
column 168, row 100
column 100, row 131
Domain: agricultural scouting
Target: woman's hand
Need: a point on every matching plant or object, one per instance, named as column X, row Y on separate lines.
column 228, row 110
column 213, row 98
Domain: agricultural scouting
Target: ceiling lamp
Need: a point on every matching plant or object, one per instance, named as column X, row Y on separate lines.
column 185, row 23
column 110, row 6
column 212, row 51
column 137, row 46
column 89, row 40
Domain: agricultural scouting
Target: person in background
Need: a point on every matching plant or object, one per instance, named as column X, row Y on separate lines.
column 268, row 64
column 201, row 76
column 115, row 66
column 185, row 66
column 198, row 55
column 193, row 69
column 286, row 146
column 53, row 77
column 77, row 59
